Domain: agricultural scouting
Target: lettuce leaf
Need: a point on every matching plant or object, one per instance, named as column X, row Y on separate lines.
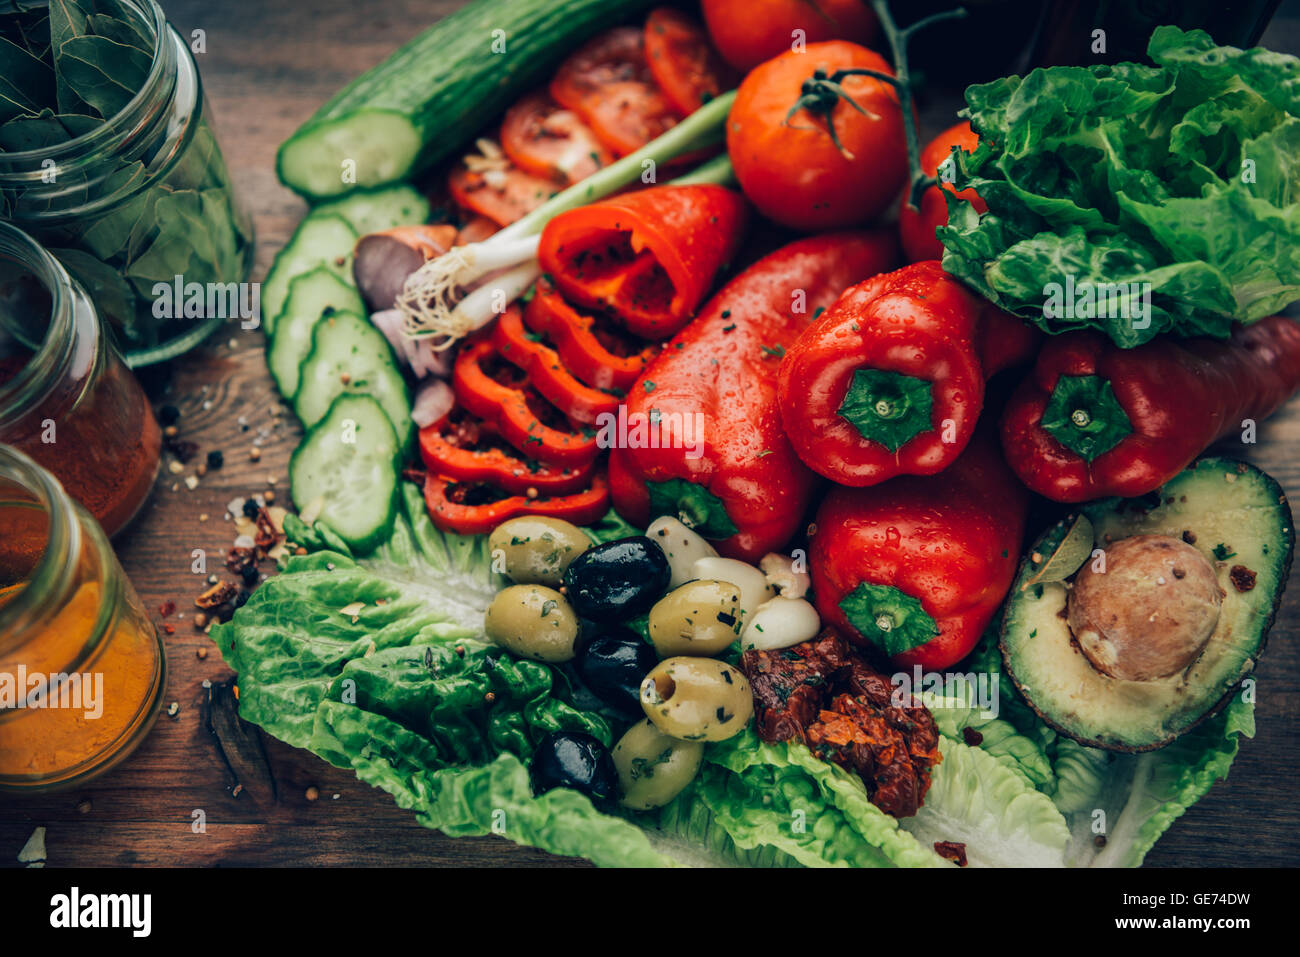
column 1118, row 805
column 1184, row 175
column 976, row 800
column 379, row 664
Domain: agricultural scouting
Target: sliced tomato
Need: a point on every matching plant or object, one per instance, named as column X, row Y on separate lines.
column 608, row 83
column 503, row 194
column 545, row 139
column 475, row 229
column 683, row 62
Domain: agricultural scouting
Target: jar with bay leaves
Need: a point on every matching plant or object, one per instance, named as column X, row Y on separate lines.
column 108, row 159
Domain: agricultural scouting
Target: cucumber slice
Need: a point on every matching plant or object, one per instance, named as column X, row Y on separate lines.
column 349, row 355
column 324, row 240
column 348, row 466
column 374, row 210
column 311, row 295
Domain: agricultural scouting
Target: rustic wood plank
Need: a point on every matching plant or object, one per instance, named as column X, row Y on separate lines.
column 267, row 67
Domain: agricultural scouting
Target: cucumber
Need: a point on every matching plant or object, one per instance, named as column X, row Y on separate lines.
column 431, row 97
column 349, row 355
column 320, row 240
column 311, row 295
column 348, row 466
column 374, row 210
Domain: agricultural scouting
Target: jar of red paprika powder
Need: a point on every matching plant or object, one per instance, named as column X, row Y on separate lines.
column 66, row 397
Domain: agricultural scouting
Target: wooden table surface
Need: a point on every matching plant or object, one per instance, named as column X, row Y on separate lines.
column 267, row 67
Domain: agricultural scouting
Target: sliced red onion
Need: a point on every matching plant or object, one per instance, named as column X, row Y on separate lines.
column 416, row 353
column 433, row 400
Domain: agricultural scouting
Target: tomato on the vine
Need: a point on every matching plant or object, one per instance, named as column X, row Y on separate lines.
column 748, row 33
column 916, row 227
column 814, row 146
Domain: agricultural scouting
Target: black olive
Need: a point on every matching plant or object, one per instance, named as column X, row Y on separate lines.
column 617, row 580
column 574, row 759
column 613, row 664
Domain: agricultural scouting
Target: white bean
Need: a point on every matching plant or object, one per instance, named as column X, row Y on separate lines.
column 780, row 623
column 754, row 589
column 682, row 546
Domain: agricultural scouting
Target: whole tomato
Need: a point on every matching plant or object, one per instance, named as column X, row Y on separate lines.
column 916, row 229
column 830, row 163
column 748, row 33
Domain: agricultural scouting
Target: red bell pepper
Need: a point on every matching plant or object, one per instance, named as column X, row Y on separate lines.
column 722, row 462
column 469, row 508
column 890, row 380
column 499, row 392
column 461, row 447
column 917, row 567
column 601, row 356
column 648, row 257
column 530, row 352
column 1095, row 420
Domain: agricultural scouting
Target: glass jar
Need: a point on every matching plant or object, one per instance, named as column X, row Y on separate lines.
column 138, row 201
column 66, row 398
column 81, row 667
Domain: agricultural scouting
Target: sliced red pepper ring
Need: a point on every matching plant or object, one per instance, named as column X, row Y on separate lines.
column 590, row 346
column 608, row 83
column 462, row 447
column 531, row 353
column 543, row 138
column 499, row 392
column 1084, row 415
column 475, row 508
column 647, row 258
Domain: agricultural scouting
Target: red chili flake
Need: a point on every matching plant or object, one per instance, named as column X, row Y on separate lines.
column 1243, row 579
column 951, row 850
column 170, row 629
column 972, row 737
column 167, row 608
column 181, row 449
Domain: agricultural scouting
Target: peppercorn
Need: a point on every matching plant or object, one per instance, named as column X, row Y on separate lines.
column 241, row 597
column 251, row 508
column 168, row 415
column 216, row 459
column 249, row 573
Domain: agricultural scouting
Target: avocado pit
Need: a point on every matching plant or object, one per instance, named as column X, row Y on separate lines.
column 1150, row 613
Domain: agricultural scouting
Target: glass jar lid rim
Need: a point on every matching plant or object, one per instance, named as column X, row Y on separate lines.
column 55, row 349
column 58, row 562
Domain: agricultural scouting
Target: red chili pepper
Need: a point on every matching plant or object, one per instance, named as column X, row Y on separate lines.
column 647, row 257
column 499, row 392
column 721, row 460
column 600, row 355
column 890, row 380
column 1095, row 420
column 477, row 508
column 547, row 373
column 462, row 447
column 917, row 567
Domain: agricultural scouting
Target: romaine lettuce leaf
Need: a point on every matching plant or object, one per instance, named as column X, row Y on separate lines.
column 1184, row 175
column 1118, row 805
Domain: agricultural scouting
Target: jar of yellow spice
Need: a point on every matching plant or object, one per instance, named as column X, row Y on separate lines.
column 81, row 667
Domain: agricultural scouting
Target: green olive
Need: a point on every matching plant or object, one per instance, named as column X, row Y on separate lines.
column 533, row 622
column 654, row 768
column 536, row 549
column 697, row 699
column 700, row 618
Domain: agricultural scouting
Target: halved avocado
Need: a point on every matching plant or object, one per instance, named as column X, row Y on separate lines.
column 1157, row 651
